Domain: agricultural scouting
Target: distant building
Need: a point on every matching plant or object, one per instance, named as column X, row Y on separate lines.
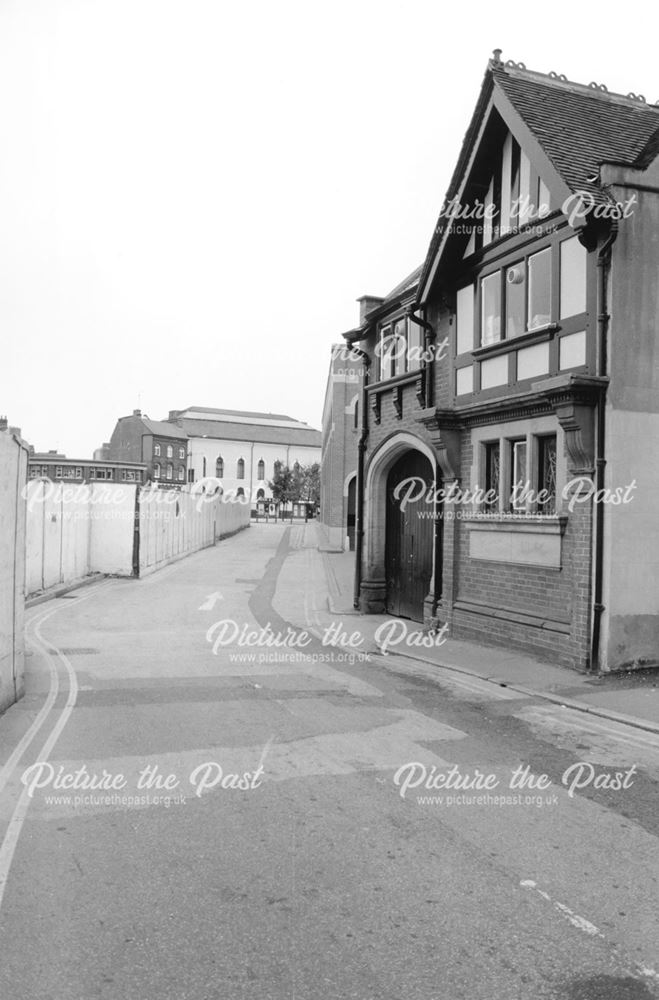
column 241, row 448
column 56, row 466
column 340, row 440
column 161, row 446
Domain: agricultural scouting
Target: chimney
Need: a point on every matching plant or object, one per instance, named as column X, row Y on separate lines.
column 3, row 423
column 137, row 413
column 366, row 304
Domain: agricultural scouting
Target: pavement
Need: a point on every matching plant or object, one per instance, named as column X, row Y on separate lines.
column 630, row 697
column 190, row 812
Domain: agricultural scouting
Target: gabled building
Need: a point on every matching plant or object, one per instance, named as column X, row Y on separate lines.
column 517, row 470
column 241, row 448
column 159, row 445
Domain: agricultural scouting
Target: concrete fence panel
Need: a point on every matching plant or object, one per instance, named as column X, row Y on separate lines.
column 13, row 462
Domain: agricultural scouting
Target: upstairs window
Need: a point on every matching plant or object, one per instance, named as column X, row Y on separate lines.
column 181, row 474
column 399, row 348
column 156, row 471
column 386, row 351
column 240, row 469
column 170, row 470
column 170, row 451
column 156, row 450
column 260, row 472
column 517, row 299
column 219, row 467
column 539, row 290
column 181, row 453
column 491, row 309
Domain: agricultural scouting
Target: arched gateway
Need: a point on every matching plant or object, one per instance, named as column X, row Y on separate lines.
column 408, row 539
column 399, row 569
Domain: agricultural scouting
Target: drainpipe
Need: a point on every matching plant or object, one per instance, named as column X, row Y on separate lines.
column 359, row 499
column 603, row 317
column 428, row 338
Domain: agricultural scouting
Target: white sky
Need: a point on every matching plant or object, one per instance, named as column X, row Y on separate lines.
column 193, row 193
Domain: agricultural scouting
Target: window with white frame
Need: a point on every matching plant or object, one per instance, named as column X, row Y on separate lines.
column 181, row 453
column 156, row 471
column 181, row 474
column 170, row 451
column 170, row 470
column 156, row 450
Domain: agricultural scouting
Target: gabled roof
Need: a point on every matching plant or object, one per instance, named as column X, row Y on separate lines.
column 404, row 286
column 161, row 428
column 579, row 127
column 239, row 413
column 401, row 291
column 259, row 433
column 576, row 127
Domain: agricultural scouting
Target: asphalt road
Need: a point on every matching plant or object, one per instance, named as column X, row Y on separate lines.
column 263, row 830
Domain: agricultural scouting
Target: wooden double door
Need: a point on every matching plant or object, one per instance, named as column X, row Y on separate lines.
column 409, row 540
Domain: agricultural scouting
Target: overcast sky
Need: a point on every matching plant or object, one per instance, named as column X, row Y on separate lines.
column 193, row 193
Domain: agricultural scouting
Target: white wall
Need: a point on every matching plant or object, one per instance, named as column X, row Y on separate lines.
column 231, row 451
column 13, row 466
column 74, row 531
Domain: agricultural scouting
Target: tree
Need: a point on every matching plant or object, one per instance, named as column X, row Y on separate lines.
column 299, row 484
column 283, row 484
column 310, row 483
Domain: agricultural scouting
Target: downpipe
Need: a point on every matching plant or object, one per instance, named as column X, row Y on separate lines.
column 603, row 318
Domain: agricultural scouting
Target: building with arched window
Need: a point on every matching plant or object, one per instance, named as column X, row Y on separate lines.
column 507, row 491
column 339, row 448
column 243, row 447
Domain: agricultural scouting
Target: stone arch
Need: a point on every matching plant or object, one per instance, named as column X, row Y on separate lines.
column 373, row 586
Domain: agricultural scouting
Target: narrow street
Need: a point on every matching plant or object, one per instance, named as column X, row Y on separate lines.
column 292, row 855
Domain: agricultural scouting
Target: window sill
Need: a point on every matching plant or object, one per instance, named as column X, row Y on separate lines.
column 537, row 336
column 546, row 524
column 390, row 383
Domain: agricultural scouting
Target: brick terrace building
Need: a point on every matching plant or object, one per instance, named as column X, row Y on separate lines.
column 539, row 386
column 161, row 446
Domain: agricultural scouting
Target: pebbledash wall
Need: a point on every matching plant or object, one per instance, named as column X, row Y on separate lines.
column 74, row 532
column 13, row 461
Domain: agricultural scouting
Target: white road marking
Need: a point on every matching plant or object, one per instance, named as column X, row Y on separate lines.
column 35, row 623
column 211, row 601
column 20, row 812
column 587, row 927
column 579, row 922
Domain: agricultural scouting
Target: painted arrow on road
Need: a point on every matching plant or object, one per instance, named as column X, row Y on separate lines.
column 210, row 601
